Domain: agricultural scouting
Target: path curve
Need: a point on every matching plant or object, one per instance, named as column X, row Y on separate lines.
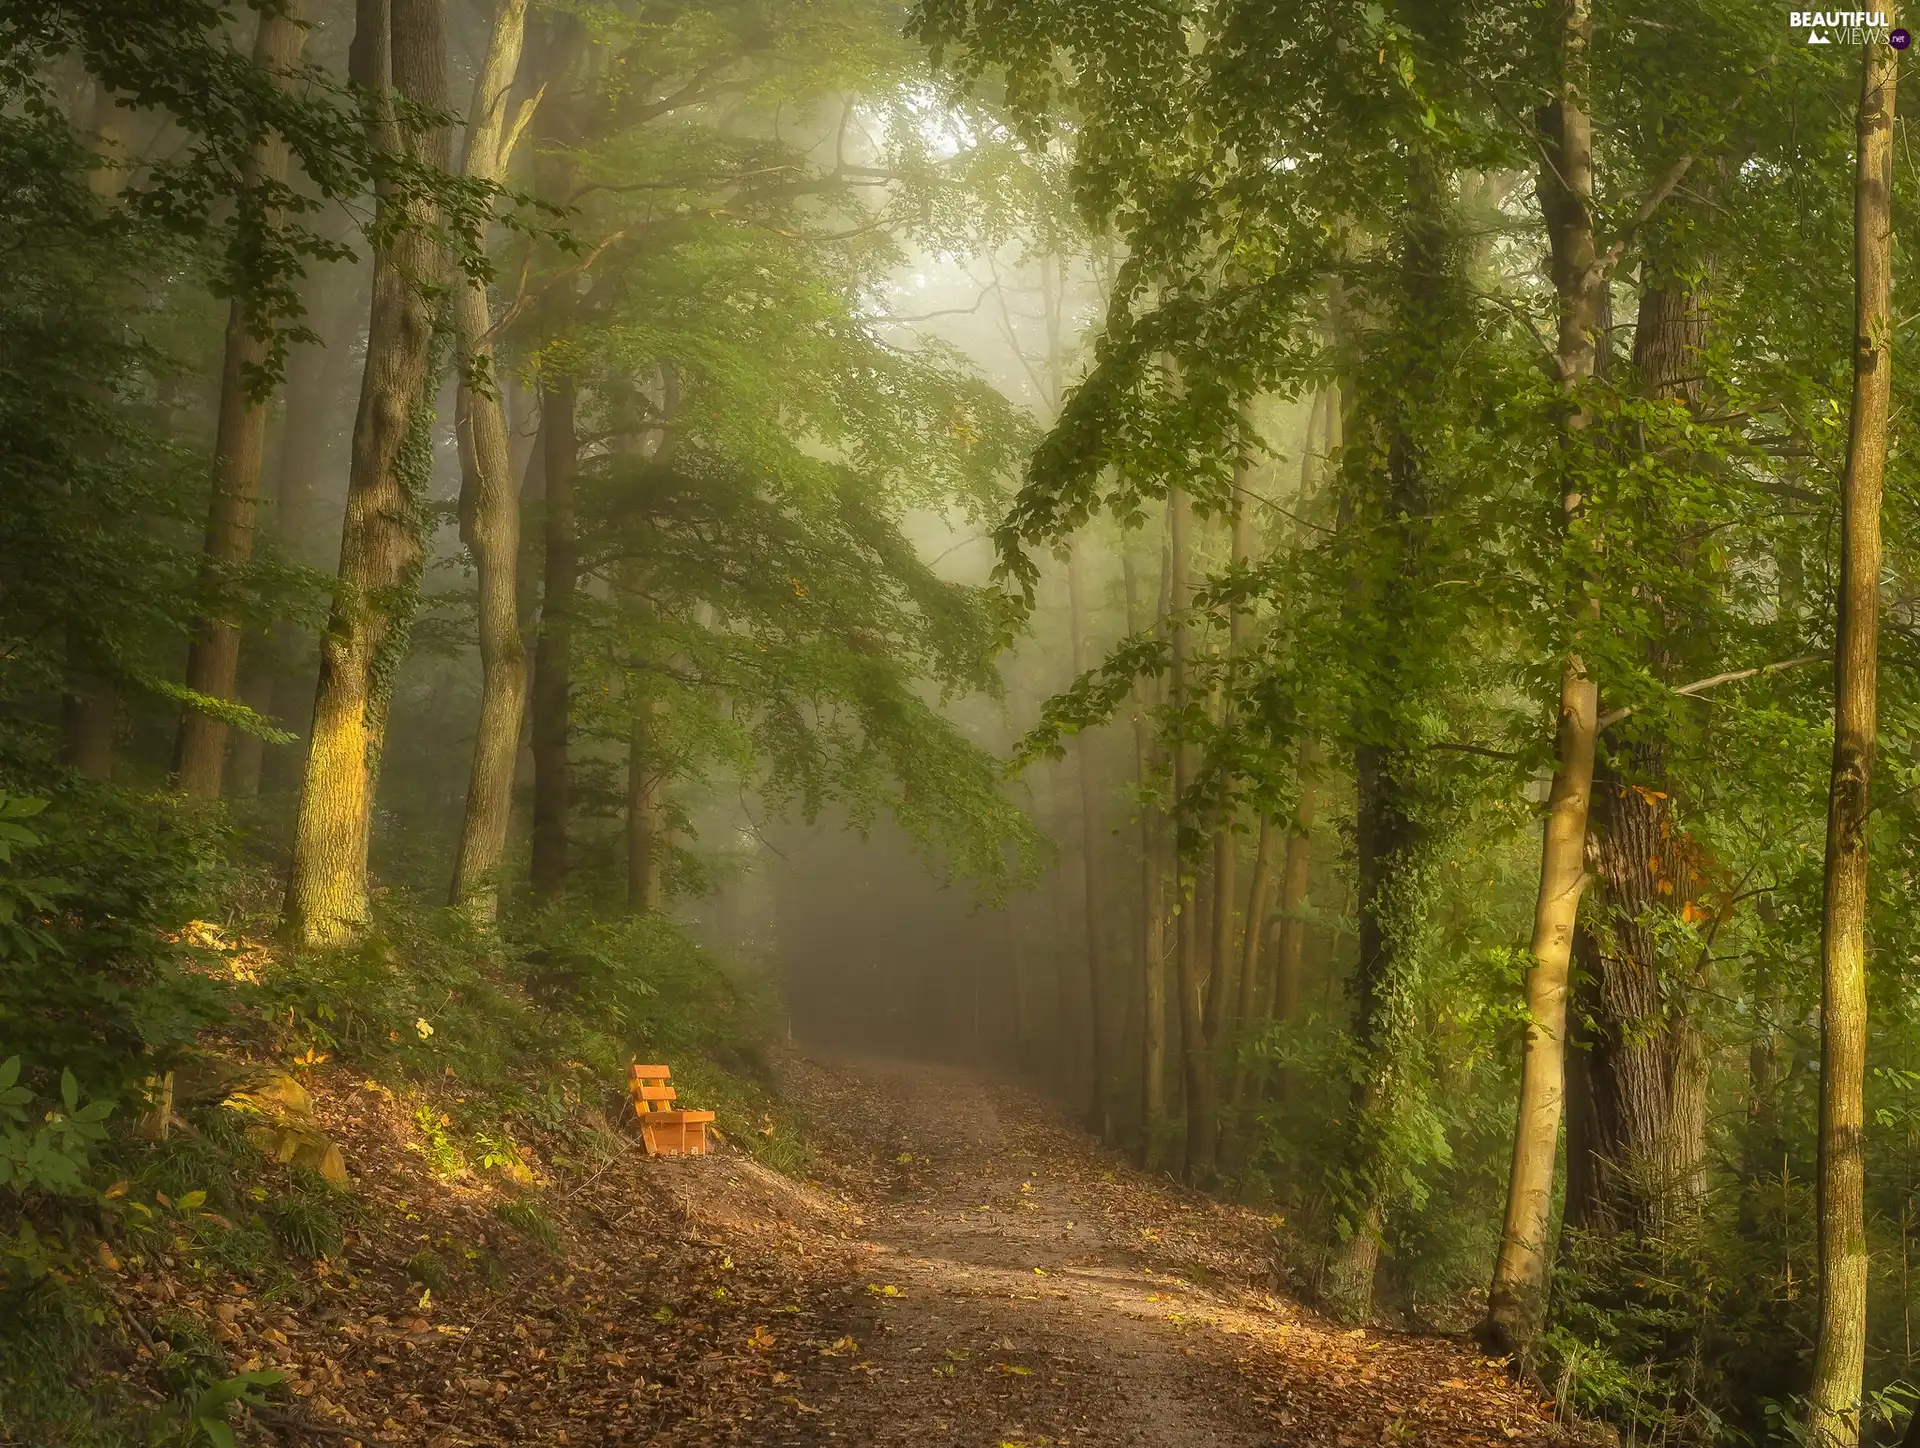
column 1000, row 1280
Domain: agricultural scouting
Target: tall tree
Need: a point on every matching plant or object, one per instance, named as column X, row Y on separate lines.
column 1518, row 1295
column 213, row 659
column 1092, row 813
column 490, row 497
column 1840, row 1348
column 1153, row 917
column 1190, row 1008
column 553, row 648
column 399, row 61
column 1643, row 1136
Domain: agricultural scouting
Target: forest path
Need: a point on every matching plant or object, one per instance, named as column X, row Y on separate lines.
column 962, row 1266
column 1013, row 1283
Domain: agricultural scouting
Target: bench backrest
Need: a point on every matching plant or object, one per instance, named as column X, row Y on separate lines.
column 649, row 1089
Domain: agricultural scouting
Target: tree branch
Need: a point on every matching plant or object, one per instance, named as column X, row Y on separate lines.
column 1598, row 273
column 1700, row 686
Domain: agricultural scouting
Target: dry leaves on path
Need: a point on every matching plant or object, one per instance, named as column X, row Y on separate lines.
column 968, row 1268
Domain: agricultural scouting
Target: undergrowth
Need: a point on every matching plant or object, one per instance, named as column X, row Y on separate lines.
column 130, row 955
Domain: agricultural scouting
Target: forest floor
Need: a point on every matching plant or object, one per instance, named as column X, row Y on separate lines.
column 965, row 1268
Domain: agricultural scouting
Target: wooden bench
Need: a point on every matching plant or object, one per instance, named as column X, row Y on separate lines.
column 666, row 1129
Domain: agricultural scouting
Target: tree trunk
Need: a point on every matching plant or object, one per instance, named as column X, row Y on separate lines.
column 1840, row 1353
column 1386, row 510
column 489, row 509
column 1246, row 1013
column 552, row 681
column 88, row 707
column 316, row 374
column 1100, row 1093
column 1186, row 948
column 646, row 817
column 380, row 545
column 1289, row 957
column 1153, row 948
column 1644, row 1141
column 1517, row 1298
column 213, row 658
column 1388, row 869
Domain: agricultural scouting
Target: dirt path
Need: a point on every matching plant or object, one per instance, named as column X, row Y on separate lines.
column 1011, row 1284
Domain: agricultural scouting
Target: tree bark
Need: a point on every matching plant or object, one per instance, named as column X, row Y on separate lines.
column 1840, row 1352
column 1517, row 1298
column 489, row 508
column 213, row 658
column 1644, row 1143
column 552, row 669
column 380, row 545
column 1386, row 510
column 1099, row 1029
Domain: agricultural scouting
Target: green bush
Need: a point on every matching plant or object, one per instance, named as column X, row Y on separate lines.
column 96, row 887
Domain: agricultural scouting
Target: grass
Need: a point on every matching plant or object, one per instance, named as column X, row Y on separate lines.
column 525, row 1217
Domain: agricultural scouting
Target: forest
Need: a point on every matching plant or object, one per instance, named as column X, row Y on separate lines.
column 1239, row 683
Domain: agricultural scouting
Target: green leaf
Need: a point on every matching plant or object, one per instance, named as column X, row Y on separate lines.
column 9, row 1072
column 69, row 1089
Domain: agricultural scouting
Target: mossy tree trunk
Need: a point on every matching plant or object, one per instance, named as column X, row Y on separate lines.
column 398, row 51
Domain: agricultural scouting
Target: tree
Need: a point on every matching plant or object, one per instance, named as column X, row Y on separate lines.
column 1518, row 1295
column 399, row 62
column 213, row 661
column 1840, row 1350
column 490, row 495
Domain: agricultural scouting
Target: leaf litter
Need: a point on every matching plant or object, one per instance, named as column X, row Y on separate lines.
column 711, row 1301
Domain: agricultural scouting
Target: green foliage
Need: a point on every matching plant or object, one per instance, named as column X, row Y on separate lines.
column 93, row 897
column 427, row 1268
column 52, row 1386
column 54, row 1156
column 205, row 1419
